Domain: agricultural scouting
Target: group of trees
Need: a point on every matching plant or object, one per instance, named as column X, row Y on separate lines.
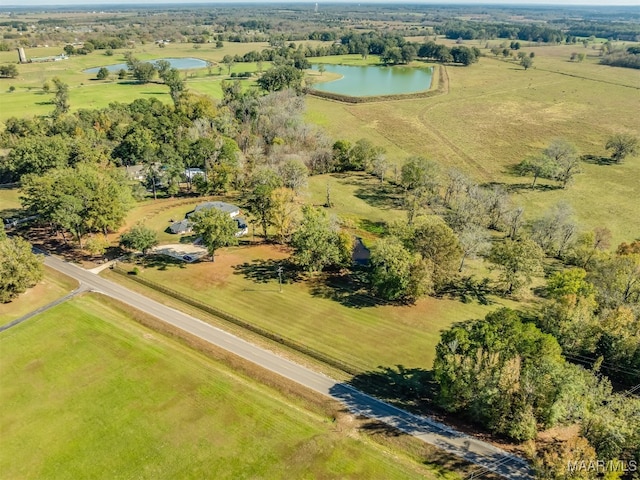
column 470, row 30
column 81, row 199
column 504, row 373
column 560, row 160
column 444, row 54
column 10, row 70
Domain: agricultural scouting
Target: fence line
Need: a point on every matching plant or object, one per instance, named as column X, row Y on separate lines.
column 287, row 342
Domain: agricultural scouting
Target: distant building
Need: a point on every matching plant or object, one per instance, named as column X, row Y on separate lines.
column 190, row 173
column 135, row 172
column 22, row 56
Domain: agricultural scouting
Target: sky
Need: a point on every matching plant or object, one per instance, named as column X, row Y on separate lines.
column 88, row 3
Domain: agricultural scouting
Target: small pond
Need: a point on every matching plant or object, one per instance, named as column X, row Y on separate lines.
column 179, row 63
column 374, row 80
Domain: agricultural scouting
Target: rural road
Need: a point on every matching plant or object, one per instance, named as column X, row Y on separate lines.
column 485, row 455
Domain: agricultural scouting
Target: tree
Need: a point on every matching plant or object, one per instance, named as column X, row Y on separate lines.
column 139, row 238
column 588, row 245
column 396, row 273
column 175, row 82
column 555, row 231
column 622, row 145
column 566, row 159
column 259, row 202
column 20, row 268
column 9, row 70
column 438, row 245
column 294, row 174
column 473, row 240
column 517, row 262
column 507, row 375
column 216, row 229
column 317, row 243
column 37, row 154
column 526, row 62
column 617, row 280
column 280, row 78
column 229, row 61
column 283, row 213
column 102, row 74
column 322, row 69
column 419, row 178
column 539, row 166
column 143, row 72
column 61, row 99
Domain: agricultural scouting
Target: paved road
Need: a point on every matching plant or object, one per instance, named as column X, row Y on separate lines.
column 481, row 453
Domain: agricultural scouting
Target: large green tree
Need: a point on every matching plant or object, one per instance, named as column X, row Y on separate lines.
column 396, row 273
column 318, row 243
column 20, row 268
column 139, row 237
column 37, row 154
column 517, row 261
column 259, row 202
column 216, row 228
column 81, row 199
column 438, row 245
column 280, row 78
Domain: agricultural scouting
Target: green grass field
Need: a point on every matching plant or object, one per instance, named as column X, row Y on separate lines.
column 53, row 286
column 88, row 393
column 85, row 91
column 496, row 114
column 243, row 281
column 9, row 202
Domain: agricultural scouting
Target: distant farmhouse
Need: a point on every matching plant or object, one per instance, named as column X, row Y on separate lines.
column 185, row 226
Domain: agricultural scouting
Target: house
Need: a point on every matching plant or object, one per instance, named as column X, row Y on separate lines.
column 184, row 226
column 135, row 172
column 190, row 173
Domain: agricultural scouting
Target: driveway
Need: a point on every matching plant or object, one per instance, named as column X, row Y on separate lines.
column 187, row 252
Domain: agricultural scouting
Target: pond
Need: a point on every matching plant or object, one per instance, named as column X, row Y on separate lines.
column 179, row 63
column 373, row 80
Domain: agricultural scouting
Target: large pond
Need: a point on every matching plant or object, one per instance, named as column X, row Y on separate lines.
column 179, row 63
column 372, row 80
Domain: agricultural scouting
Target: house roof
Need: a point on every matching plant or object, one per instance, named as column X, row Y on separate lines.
column 180, row 227
column 232, row 210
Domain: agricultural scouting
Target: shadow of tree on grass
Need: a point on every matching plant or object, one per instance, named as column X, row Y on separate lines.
column 349, row 288
column 161, row 262
column 265, row 271
column 468, row 289
column 412, row 388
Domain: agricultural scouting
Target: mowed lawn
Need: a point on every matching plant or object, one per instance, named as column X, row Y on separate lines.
column 53, row 286
column 243, row 281
column 88, row 393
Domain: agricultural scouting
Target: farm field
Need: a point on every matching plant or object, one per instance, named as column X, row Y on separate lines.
column 87, row 92
column 53, row 286
column 86, row 390
column 496, row 114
